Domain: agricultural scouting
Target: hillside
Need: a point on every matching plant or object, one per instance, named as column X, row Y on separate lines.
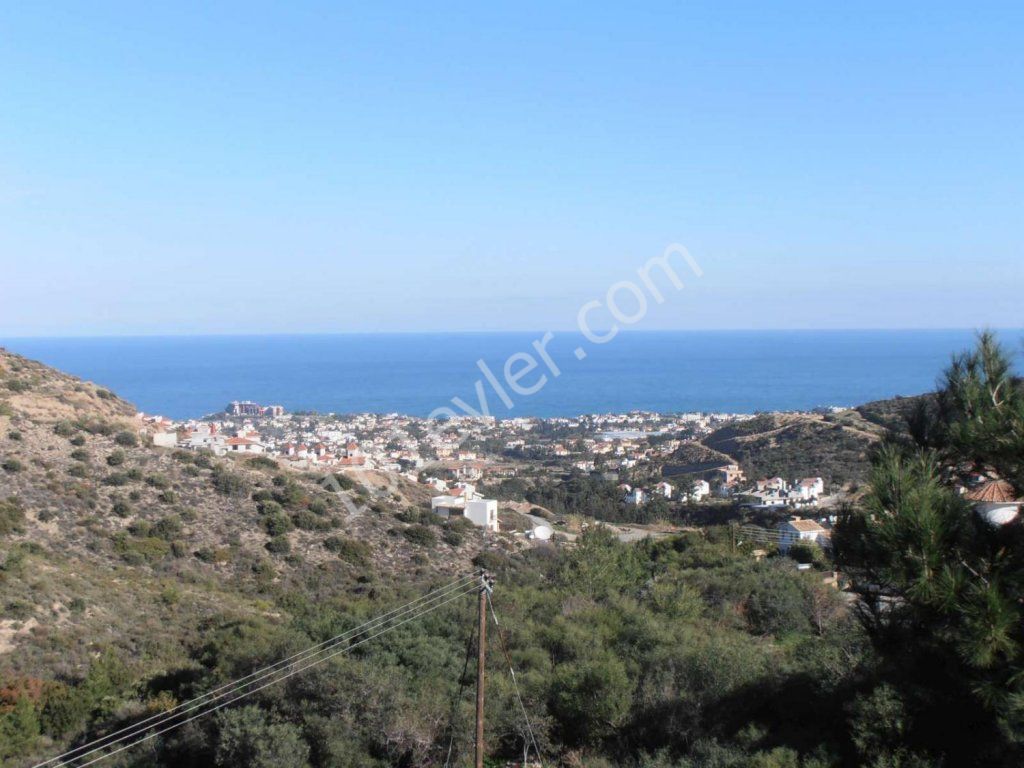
column 834, row 446
column 103, row 536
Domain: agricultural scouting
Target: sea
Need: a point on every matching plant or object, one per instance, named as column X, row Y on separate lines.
column 511, row 374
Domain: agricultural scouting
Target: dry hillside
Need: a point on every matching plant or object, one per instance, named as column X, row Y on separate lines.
column 108, row 542
column 834, row 446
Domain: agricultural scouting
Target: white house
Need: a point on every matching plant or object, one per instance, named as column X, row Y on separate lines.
column 996, row 501
column 636, row 496
column 243, row 445
column 797, row 529
column 808, row 488
column 665, row 489
column 700, row 489
column 466, row 502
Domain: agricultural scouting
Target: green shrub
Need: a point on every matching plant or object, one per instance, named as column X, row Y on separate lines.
column 64, row 429
column 228, row 483
column 160, row 482
column 15, row 436
column 18, row 386
column 420, row 535
column 306, row 520
column 12, row 465
column 279, row 545
column 5, row 409
column 78, row 470
column 167, row 528
column 276, row 523
column 167, row 497
column 262, row 462
column 269, row 507
column 80, row 454
column 78, row 441
column 350, row 550
column 344, row 482
column 126, row 439
column 12, row 518
column 116, row 458
column 452, row 537
column 143, row 550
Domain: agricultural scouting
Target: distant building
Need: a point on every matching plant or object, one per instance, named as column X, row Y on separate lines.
column 728, row 474
column 800, row 530
column 700, row 489
column 466, row 502
column 636, row 497
column 244, row 408
column 808, row 489
column 249, row 408
column 243, row 445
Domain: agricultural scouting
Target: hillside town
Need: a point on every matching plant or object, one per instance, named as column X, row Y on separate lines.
column 454, row 458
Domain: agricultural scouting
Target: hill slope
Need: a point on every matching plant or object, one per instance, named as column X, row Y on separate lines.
column 103, row 536
column 834, row 446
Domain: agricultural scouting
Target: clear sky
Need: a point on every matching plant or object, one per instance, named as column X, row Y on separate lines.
column 283, row 167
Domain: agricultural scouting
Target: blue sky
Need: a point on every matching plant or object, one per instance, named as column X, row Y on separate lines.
column 380, row 167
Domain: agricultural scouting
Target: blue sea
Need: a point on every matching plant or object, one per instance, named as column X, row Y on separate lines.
column 733, row 371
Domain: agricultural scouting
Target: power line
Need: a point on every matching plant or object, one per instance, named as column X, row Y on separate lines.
column 274, row 681
column 228, row 689
column 419, row 607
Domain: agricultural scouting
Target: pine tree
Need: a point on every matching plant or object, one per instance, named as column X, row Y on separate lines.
column 941, row 588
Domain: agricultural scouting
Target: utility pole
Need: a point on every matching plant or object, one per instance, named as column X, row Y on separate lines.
column 486, row 584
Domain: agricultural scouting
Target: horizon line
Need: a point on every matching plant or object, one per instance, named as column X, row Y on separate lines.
column 287, row 334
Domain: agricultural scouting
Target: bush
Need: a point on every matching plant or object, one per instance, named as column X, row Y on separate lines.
column 279, row 545
column 12, row 465
column 350, row 550
column 64, row 429
column 116, row 458
column 453, row 538
column 262, row 462
column 160, row 482
column 78, row 470
column 5, row 409
column 228, row 483
column 248, row 736
column 15, row 436
column 12, row 518
column 420, row 535
column 121, row 508
column 145, row 550
column 344, row 482
column 306, row 520
column 80, row 454
column 126, row 439
column 18, row 386
column 167, row 528
column 276, row 523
